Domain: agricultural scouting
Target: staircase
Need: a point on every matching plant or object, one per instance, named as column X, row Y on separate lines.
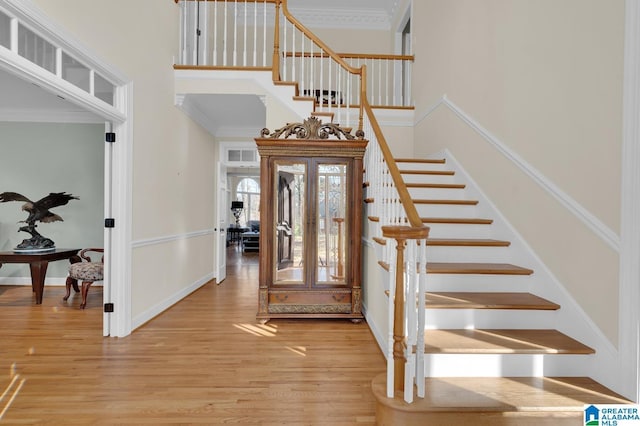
column 489, row 341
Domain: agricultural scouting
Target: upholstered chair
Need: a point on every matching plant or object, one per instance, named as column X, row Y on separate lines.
column 83, row 269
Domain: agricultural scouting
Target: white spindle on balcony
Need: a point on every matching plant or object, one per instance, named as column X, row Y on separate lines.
column 255, row 34
column 264, row 36
column 205, row 49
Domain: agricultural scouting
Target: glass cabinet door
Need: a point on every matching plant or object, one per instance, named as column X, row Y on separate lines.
column 309, row 211
column 330, row 224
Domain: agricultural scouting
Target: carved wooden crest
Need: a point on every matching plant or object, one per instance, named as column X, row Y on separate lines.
column 312, row 128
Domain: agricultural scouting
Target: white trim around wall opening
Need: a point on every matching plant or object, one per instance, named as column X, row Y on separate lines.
column 629, row 316
column 117, row 191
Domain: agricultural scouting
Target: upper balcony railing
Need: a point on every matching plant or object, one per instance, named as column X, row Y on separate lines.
column 240, row 34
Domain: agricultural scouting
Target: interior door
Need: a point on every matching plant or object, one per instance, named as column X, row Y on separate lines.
column 222, row 222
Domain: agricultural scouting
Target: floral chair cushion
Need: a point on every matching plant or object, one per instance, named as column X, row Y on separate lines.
column 86, row 271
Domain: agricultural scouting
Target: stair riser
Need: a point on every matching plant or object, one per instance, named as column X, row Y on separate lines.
column 446, row 210
column 409, row 178
column 489, row 318
column 488, row 283
column 439, row 230
column 512, row 365
column 471, row 283
column 423, row 166
column 437, row 193
column 469, row 254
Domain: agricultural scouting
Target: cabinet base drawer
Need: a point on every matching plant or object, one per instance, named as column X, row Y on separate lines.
column 310, row 302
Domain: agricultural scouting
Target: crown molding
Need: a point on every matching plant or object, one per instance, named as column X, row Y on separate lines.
column 320, row 17
column 196, row 114
column 343, row 18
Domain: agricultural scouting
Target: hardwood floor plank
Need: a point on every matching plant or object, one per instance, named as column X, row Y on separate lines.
column 204, row 361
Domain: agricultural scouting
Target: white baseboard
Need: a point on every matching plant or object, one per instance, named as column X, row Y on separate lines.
column 382, row 343
column 154, row 311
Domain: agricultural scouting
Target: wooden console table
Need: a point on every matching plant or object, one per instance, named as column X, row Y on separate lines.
column 38, row 263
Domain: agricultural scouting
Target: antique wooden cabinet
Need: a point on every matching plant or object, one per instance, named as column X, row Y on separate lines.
column 311, row 222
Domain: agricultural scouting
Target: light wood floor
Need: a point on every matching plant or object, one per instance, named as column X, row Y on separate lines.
column 206, row 360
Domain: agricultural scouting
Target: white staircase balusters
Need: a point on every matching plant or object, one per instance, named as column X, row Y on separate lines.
column 422, row 313
column 391, row 301
column 264, row 35
column 205, row 37
column 215, row 34
column 283, row 71
column 195, row 33
column 244, row 39
column 235, row 33
column 301, row 80
column 224, row 35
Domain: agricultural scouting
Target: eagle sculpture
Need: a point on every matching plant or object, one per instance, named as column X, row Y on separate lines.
column 38, row 212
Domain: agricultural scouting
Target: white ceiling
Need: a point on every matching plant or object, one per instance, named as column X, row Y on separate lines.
column 23, row 101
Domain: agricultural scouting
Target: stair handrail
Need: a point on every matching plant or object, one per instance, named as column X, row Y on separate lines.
column 405, row 198
column 322, row 45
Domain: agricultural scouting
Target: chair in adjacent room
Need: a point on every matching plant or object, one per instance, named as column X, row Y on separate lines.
column 87, row 271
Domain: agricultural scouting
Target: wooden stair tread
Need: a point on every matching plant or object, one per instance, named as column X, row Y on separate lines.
column 420, row 160
column 436, row 185
column 495, row 300
column 427, row 172
column 502, row 341
column 475, row 242
column 457, row 220
column 457, row 242
column 471, row 268
column 304, row 98
column 456, row 202
column 502, row 394
column 476, row 268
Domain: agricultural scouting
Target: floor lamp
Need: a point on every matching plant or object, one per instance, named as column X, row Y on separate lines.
column 236, row 208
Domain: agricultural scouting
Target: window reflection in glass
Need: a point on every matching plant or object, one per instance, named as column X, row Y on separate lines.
column 330, row 223
column 290, row 210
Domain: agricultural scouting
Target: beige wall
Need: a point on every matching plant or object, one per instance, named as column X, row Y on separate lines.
column 173, row 158
column 345, row 40
column 545, row 79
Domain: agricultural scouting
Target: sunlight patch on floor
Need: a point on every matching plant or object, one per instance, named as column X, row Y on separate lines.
column 11, row 392
column 260, row 330
column 298, row 350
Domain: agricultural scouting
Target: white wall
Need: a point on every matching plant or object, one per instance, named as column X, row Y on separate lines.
column 39, row 158
column 173, row 158
column 545, row 79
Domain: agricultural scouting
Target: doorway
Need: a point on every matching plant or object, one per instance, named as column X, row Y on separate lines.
column 85, row 95
column 239, row 187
